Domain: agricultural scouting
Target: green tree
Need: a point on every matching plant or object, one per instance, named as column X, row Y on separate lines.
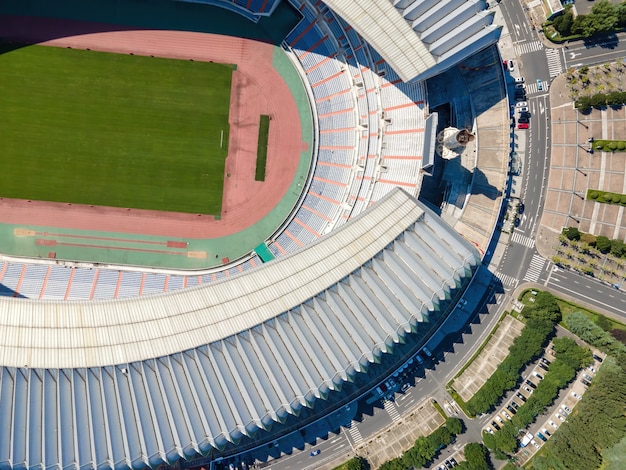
column 603, row 244
column 618, row 248
column 454, row 425
column 571, row 233
column 604, row 323
column 356, row 463
column 605, row 16
column 563, row 23
column 476, row 456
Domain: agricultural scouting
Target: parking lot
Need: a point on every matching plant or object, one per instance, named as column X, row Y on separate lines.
column 484, row 365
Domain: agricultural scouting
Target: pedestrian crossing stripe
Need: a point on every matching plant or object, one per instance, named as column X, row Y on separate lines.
column 506, row 279
column 533, row 88
column 392, row 410
column 535, row 269
column 555, row 65
column 526, row 47
column 355, row 433
column 520, row 239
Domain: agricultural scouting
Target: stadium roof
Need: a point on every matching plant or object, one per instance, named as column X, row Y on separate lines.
column 153, row 379
column 421, row 38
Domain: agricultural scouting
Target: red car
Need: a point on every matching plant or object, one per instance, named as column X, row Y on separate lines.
column 522, row 125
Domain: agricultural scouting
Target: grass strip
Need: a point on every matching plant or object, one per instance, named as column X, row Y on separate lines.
column 261, row 152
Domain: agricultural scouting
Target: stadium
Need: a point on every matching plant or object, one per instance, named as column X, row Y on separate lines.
column 343, row 280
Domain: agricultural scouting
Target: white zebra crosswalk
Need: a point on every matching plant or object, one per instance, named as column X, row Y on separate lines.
column 533, row 88
column 506, row 279
column 391, row 408
column 535, row 269
column 555, row 64
column 526, row 47
column 357, row 438
column 520, row 239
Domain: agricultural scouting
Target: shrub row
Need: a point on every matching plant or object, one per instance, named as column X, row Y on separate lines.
column 603, row 244
column 542, row 316
column 606, row 197
column 593, row 334
column 616, row 98
column 609, row 145
column 426, row 447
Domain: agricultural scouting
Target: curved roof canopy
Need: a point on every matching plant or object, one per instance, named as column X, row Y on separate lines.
column 151, row 380
column 420, row 39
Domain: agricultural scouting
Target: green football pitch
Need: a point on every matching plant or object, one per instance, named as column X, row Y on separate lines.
column 116, row 130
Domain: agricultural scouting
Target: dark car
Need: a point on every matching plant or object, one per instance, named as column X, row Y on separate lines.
column 520, row 396
column 511, row 409
column 543, row 366
column 542, row 437
column 523, row 119
column 525, row 114
column 315, row 452
column 517, row 221
column 514, row 404
column 521, row 208
column 585, row 382
column 597, row 358
column 530, row 384
column 545, row 361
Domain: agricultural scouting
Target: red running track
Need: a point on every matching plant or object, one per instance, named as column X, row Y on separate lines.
column 257, row 89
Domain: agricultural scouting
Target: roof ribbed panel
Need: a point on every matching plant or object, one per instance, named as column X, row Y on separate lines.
column 373, row 280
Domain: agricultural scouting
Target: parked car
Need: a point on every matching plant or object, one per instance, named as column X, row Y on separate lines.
column 520, row 396
column 511, row 409
column 534, row 443
column 527, row 389
column 546, row 432
column 514, row 404
column 585, row 382
column 597, row 358
column 577, row 396
column 530, row 383
column 520, row 97
column 591, row 369
column 553, row 424
column 538, row 375
column 523, row 120
column 519, row 86
column 545, row 361
column 495, row 426
column 566, row 408
column 521, row 104
column 542, row 437
column 539, row 85
column 522, row 125
column 489, row 430
column 560, row 417
column 543, row 366
column 511, row 65
column 587, row 377
column 523, row 111
column 519, row 80
column 506, row 415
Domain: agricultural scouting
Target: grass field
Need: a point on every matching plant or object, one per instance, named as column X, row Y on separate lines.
column 261, row 152
column 113, row 130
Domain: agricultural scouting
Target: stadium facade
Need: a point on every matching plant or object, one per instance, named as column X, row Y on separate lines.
column 146, row 381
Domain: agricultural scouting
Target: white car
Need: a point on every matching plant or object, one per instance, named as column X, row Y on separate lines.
column 560, row 418
column 534, row 443
column 566, row 408
column 553, row 424
column 521, row 104
column 577, row 396
column 489, row 430
column 523, row 110
column 519, row 80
